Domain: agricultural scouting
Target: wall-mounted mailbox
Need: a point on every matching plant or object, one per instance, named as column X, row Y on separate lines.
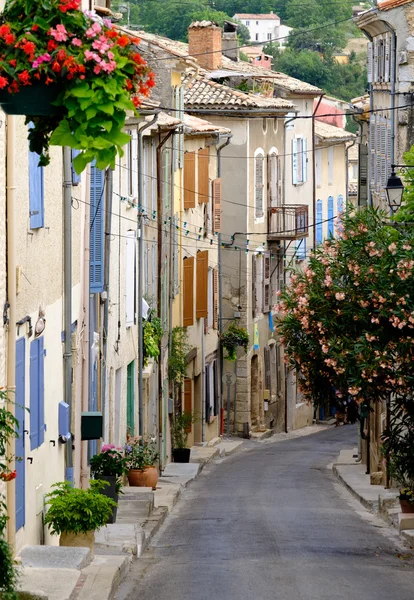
column 91, row 425
column 63, row 422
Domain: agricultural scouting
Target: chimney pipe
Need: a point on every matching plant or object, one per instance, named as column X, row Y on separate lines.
column 204, row 43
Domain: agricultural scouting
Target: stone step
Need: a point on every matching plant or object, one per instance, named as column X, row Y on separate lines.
column 54, row 557
column 135, row 504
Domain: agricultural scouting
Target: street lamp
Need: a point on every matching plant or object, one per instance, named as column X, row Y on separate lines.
column 394, row 190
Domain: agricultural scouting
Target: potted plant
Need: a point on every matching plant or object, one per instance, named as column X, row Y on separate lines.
column 180, row 430
column 75, row 514
column 109, row 465
column 153, row 333
column 73, row 75
column 234, row 337
column 406, row 499
column 141, row 459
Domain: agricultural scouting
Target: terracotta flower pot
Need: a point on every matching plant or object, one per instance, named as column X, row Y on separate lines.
column 33, row 100
column 146, row 477
column 406, row 506
column 79, row 540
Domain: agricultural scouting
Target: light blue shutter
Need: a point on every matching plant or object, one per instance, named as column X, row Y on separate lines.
column 96, row 244
column 330, row 216
column 37, row 394
column 301, row 249
column 36, row 192
column 319, row 221
column 294, row 161
column 340, row 203
column 304, row 160
column 76, row 179
column 20, row 401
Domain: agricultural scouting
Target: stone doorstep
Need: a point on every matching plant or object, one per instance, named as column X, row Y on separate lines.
column 54, row 583
column 408, row 535
column 120, row 538
column 203, row 455
column 103, row 577
column 406, row 521
column 358, row 483
column 54, row 557
column 261, row 435
column 167, row 495
column 214, row 442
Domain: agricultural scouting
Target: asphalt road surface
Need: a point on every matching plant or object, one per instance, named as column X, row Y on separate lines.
column 273, row 524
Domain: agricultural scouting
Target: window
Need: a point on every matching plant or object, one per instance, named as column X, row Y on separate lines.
column 330, row 216
column 257, row 36
column 340, row 204
column 274, row 179
column 330, row 165
column 266, row 283
column 258, row 183
column 210, row 298
column 188, row 291
column 154, row 178
column 154, row 268
column 380, row 64
column 247, row 23
column 202, row 285
column 203, row 179
column 130, row 305
column 166, row 178
column 318, row 167
column 146, row 180
column 96, row 242
column 134, row 164
column 217, row 205
column 257, row 283
column 301, row 249
column 299, row 160
column 36, row 192
column 319, row 235
column 176, row 282
column 211, row 390
column 147, row 260
column 269, row 36
column 37, row 393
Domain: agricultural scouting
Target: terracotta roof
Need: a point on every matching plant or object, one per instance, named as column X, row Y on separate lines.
column 204, row 93
column 197, row 125
column 327, row 132
column 390, row 4
column 281, row 80
column 257, row 17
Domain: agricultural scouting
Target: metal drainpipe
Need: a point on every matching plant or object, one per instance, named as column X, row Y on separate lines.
column 67, row 298
column 220, row 290
column 11, row 299
column 140, row 269
column 159, row 246
column 108, row 224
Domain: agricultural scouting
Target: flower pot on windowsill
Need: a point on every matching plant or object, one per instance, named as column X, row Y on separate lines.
column 146, row 477
column 32, row 100
column 110, row 492
column 407, row 507
column 181, row 455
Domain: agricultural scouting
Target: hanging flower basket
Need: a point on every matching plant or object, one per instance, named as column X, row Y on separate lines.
column 35, row 100
column 74, row 77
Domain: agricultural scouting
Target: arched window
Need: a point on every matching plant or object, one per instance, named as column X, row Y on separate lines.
column 274, row 179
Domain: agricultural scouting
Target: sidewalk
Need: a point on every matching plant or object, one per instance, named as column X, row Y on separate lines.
column 381, row 501
column 59, row 573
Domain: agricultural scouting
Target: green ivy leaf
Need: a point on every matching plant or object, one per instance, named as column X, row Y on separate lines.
column 62, row 135
column 81, row 160
column 82, row 90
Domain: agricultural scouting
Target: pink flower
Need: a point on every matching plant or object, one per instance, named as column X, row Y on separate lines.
column 59, row 34
column 77, row 42
column 93, row 31
column 325, row 349
column 111, row 55
column 97, row 69
column 41, row 59
column 392, row 248
column 101, row 45
column 340, row 296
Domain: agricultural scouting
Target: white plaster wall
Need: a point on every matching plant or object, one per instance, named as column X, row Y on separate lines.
column 261, row 28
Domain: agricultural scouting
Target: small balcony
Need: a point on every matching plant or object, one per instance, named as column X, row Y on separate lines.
column 288, row 222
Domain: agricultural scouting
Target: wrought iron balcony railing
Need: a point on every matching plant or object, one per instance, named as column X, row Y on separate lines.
column 288, row 222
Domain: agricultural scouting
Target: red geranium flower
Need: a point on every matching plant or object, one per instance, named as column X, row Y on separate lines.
column 61, row 55
column 28, row 47
column 51, row 45
column 48, row 80
column 111, row 34
column 123, row 41
column 56, row 67
column 136, row 101
column 35, row 27
column 9, row 39
column 4, row 30
column 12, row 62
column 24, row 77
column 129, row 85
column 3, row 82
column 13, row 87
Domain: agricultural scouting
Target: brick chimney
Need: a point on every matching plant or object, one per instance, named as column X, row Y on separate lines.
column 204, row 43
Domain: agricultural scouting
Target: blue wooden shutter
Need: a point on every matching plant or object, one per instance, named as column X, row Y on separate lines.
column 294, row 161
column 319, row 221
column 76, row 179
column 96, row 243
column 20, row 399
column 304, row 160
column 37, row 394
column 36, row 192
column 340, row 203
column 301, row 249
column 330, row 216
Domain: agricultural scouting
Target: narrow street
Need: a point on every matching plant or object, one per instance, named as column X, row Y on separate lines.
column 273, row 524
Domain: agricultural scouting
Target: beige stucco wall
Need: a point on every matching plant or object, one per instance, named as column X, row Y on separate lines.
column 333, row 188
column 39, row 258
